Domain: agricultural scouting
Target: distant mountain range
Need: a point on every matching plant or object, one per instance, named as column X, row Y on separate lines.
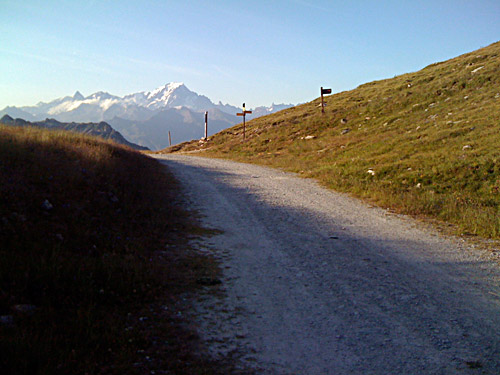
column 144, row 117
column 102, row 129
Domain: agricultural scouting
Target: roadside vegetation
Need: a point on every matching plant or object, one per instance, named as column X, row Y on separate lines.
column 424, row 143
column 94, row 262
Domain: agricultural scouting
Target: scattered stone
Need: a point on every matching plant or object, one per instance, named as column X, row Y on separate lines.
column 466, row 147
column 371, row 171
column 497, row 95
column 46, row 205
column 466, row 97
column 343, row 121
column 477, row 69
column 419, row 186
column 345, row 131
column 309, row 137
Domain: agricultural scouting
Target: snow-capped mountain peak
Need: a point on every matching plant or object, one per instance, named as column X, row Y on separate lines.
column 103, row 106
column 165, row 91
column 162, row 97
column 101, row 95
column 170, row 95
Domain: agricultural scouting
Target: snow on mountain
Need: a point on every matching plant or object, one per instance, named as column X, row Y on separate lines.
column 263, row 111
column 171, row 95
column 143, row 117
column 102, row 106
column 78, row 106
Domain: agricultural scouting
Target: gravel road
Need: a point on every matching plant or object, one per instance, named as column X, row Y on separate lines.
column 315, row 282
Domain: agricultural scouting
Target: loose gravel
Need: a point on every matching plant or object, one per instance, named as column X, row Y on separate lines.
column 316, row 282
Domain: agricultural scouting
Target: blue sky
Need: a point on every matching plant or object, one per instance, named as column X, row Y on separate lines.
column 256, row 52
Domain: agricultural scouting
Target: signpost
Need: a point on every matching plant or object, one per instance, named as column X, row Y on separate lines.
column 324, row 92
column 169, row 139
column 206, row 125
column 243, row 113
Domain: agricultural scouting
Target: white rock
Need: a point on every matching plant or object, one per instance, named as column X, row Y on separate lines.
column 371, row 171
column 46, row 205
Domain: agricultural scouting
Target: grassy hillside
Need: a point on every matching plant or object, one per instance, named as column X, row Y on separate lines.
column 424, row 143
column 93, row 259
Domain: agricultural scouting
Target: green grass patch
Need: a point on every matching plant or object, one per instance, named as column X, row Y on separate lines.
column 431, row 139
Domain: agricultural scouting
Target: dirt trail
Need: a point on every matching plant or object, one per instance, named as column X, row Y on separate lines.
column 318, row 283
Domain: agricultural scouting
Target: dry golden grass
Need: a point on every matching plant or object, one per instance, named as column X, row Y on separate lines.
column 93, row 283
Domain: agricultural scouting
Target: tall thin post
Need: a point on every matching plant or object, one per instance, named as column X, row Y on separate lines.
column 244, row 124
column 169, row 139
column 244, row 113
column 324, row 92
column 322, row 101
column 206, row 124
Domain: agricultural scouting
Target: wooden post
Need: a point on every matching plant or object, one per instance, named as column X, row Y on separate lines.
column 244, row 113
column 206, row 125
column 324, row 91
column 322, row 101
column 169, row 139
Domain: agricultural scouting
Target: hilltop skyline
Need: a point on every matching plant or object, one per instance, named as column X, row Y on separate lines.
column 231, row 51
